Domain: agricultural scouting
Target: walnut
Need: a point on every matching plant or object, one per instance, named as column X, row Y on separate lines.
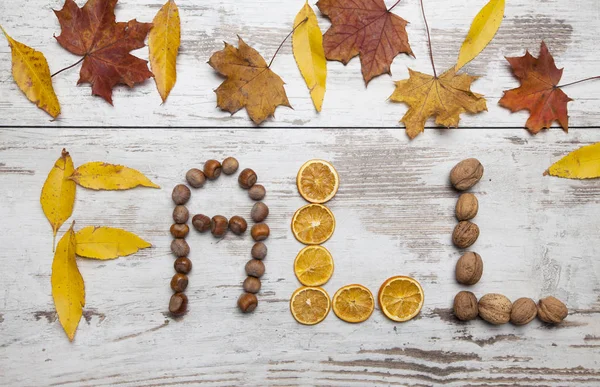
column 465, row 234
column 523, row 311
column 466, row 174
column 465, row 306
column 551, row 310
column 469, row 269
column 495, row 308
column 466, row 207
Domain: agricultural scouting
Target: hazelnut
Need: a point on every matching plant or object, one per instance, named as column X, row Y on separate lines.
column 469, row 269
column 178, row 304
column 495, row 308
column 238, row 225
column 201, row 222
column 251, row 284
column 551, row 310
column 212, row 169
column 465, row 306
column 230, row 166
column 466, row 174
column 179, row 282
column 183, row 265
column 247, row 178
column 260, row 232
column 465, row 234
column 180, row 248
column 259, row 212
column 181, row 214
column 259, row 250
column 523, row 311
column 247, row 302
column 257, row 192
column 181, row 194
column 195, row 178
column 179, row 230
column 218, row 225
column 466, row 207
column 255, row 268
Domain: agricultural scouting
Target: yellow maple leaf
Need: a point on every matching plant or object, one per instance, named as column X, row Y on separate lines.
column 444, row 97
column 107, row 242
column 98, row 175
column 68, row 289
column 583, row 163
column 163, row 45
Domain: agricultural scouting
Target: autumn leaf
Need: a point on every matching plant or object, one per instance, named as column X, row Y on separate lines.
column 93, row 33
column 583, row 163
column 307, row 45
column 107, row 242
column 163, row 45
column 250, row 82
column 366, row 28
column 67, row 284
column 539, row 92
column 58, row 193
column 31, row 73
column 445, row 97
column 98, row 175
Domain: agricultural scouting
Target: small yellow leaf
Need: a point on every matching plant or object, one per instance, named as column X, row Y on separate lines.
column 67, row 284
column 107, row 242
column 307, row 44
column 98, row 175
column 163, row 44
column 482, row 30
column 32, row 75
column 58, row 193
column 583, row 163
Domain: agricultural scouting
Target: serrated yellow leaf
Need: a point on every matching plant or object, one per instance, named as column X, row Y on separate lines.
column 107, row 242
column 583, row 163
column 307, row 45
column 163, row 45
column 58, row 192
column 98, row 175
column 482, row 31
column 31, row 73
column 68, row 290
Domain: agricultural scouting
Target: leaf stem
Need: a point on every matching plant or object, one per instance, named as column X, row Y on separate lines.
column 392, row 7
column 66, row 68
column 286, row 38
column 576, row 82
column 428, row 40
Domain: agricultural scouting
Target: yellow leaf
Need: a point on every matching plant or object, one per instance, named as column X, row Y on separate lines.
column 583, row 163
column 98, row 175
column 163, row 44
column 307, row 44
column 482, row 30
column 107, row 242
column 32, row 75
column 67, row 284
column 58, row 193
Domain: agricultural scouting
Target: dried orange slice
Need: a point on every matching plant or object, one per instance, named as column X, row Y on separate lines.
column 310, row 305
column 317, row 181
column 313, row 266
column 353, row 303
column 313, row 224
column 400, row 298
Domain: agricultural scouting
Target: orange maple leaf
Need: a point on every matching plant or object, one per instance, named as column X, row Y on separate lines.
column 539, row 92
column 366, row 28
column 250, row 82
column 92, row 32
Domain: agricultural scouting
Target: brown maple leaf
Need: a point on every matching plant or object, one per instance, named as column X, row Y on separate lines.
column 366, row 28
column 444, row 97
column 538, row 93
column 92, row 32
column 250, row 82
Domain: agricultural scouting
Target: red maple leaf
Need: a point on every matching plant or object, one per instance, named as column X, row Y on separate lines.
column 366, row 28
column 539, row 92
column 92, row 32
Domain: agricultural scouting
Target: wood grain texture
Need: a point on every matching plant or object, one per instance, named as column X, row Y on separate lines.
column 569, row 28
column 394, row 212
